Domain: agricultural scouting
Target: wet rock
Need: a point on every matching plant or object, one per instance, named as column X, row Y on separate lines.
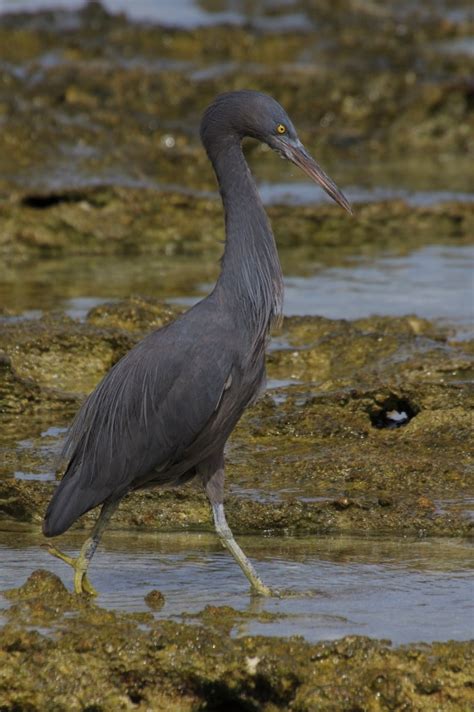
column 425, row 503
column 318, row 438
column 60, row 354
column 105, row 221
column 41, row 583
column 42, row 599
column 109, row 221
column 106, row 659
column 21, row 502
column 342, row 503
column 374, row 83
column 155, row 600
column 135, row 314
column 16, row 393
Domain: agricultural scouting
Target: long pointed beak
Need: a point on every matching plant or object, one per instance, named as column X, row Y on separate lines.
column 297, row 154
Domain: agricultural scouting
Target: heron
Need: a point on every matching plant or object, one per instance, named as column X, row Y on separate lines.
column 163, row 413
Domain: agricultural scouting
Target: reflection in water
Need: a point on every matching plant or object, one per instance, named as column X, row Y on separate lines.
column 75, row 284
column 406, row 590
column 299, row 193
column 433, row 282
column 180, row 13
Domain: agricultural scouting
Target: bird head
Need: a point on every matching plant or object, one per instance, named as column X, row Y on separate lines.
column 251, row 113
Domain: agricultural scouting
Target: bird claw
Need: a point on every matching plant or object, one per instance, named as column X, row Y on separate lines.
column 81, row 581
column 82, row 585
column 265, row 591
column 61, row 555
column 290, row 593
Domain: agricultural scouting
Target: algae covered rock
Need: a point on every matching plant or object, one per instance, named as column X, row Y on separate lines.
column 135, row 314
column 83, row 657
column 155, row 600
column 61, row 354
column 377, row 414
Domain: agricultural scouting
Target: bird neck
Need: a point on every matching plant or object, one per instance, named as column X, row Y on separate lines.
column 251, row 272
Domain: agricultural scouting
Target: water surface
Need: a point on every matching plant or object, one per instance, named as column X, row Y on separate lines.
column 180, row 13
column 434, row 282
column 403, row 589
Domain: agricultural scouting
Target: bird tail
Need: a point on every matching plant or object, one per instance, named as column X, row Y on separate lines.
column 67, row 504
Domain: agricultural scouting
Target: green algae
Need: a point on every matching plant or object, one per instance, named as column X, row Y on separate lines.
column 155, row 600
column 83, row 657
column 135, row 314
column 130, row 222
column 311, row 449
column 89, row 103
column 61, row 354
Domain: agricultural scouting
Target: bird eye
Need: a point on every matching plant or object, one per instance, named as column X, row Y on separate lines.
column 281, row 128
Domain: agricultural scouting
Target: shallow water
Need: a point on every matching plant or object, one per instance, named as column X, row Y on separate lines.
column 406, row 590
column 306, row 193
column 181, row 13
column 434, row 282
column 401, row 588
column 462, row 45
column 192, row 13
column 184, row 13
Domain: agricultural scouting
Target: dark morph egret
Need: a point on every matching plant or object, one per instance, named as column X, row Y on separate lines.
column 163, row 413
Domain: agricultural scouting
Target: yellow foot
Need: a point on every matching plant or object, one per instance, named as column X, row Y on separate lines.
column 81, row 581
column 262, row 590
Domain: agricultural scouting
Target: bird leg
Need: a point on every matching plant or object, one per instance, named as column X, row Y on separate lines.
column 215, row 491
column 81, row 564
column 81, row 580
column 227, row 538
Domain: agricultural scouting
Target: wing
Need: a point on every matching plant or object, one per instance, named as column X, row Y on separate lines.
column 144, row 414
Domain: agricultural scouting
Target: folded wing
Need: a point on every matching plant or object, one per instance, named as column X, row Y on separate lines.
column 144, row 414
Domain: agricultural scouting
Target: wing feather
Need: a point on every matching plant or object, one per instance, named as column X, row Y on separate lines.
column 145, row 413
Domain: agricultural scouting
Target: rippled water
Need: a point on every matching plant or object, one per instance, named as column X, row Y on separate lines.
column 406, row 590
column 191, row 13
column 181, row 13
column 434, row 282
column 306, row 193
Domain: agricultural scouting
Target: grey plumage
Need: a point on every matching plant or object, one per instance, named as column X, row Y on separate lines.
column 146, row 421
column 163, row 413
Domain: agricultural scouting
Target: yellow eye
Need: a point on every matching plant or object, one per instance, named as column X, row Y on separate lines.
column 281, row 128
